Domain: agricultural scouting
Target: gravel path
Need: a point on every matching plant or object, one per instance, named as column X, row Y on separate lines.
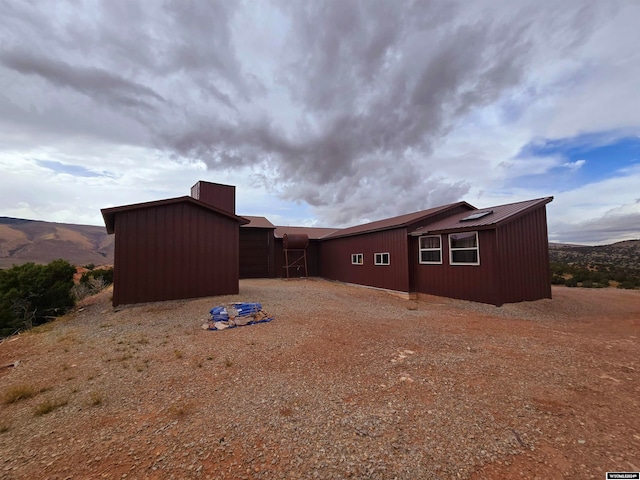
column 345, row 382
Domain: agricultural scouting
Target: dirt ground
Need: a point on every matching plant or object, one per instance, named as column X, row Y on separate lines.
column 345, row 382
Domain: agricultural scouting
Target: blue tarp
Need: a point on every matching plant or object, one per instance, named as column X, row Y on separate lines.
column 236, row 315
column 221, row 313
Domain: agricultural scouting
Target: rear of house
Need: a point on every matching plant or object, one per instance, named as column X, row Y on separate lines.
column 376, row 254
column 495, row 255
column 197, row 246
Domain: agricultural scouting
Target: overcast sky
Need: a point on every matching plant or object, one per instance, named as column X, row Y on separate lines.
column 325, row 113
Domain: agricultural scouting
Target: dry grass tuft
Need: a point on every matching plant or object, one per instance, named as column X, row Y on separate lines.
column 49, row 406
column 95, row 399
column 17, row 393
column 180, row 408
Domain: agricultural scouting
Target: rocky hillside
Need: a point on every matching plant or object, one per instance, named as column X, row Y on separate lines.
column 23, row 241
column 621, row 254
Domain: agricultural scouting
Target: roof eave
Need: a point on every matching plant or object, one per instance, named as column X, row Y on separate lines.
column 109, row 214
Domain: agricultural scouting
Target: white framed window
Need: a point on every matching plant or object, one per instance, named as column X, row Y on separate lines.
column 357, row 258
column 381, row 259
column 430, row 247
column 463, row 249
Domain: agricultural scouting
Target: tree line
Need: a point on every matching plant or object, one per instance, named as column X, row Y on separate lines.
column 594, row 275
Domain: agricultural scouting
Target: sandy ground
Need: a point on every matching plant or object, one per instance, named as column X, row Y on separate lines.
column 345, row 382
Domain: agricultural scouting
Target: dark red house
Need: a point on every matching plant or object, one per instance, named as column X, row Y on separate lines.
column 173, row 249
column 494, row 255
column 376, row 254
column 197, row 246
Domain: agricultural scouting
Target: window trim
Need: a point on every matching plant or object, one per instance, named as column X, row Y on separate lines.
column 381, row 261
column 355, row 257
column 420, row 250
column 461, row 249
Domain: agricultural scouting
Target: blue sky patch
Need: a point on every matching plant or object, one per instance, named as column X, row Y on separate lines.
column 75, row 170
column 585, row 159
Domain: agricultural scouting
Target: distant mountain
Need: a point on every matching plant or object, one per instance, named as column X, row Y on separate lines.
column 23, row 241
column 621, row 254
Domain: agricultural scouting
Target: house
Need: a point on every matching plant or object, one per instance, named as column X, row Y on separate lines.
column 494, row 255
column 173, row 249
column 377, row 253
column 197, row 246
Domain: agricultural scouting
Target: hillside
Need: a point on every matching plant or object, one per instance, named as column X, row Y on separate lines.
column 23, row 241
column 621, row 254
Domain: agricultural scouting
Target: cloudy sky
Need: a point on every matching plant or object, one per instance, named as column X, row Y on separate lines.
column 326, row 113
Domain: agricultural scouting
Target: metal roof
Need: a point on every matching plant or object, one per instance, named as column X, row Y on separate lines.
column 498, row 215
column 109, row 214
column 314, row 233
column 396, row 222
column 258, row 222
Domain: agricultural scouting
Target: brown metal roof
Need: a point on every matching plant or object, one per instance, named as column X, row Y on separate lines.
column 109, row 214
column 314, row 233
column 395, row 222
column 257, row 222
column 498, row 215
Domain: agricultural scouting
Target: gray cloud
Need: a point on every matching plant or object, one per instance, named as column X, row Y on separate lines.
column 94, row 82
column 346, row 117
column 607, row 229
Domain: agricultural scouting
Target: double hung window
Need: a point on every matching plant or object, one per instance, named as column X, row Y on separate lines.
column 463, row 249
column 430, row 249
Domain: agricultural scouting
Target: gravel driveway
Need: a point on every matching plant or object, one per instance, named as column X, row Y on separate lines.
column 345, row 382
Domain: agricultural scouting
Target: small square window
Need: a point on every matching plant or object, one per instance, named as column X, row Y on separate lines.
column 357, row 258
column 381, row 259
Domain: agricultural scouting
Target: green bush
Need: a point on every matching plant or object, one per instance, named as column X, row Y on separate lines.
column 628, row 284
column 106, row 275
column 557, row 280
column 33, row 294
column 571, row 282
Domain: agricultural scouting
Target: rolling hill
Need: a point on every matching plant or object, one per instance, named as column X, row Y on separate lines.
column 23, row 241
column 621, row 254
column 35, row 241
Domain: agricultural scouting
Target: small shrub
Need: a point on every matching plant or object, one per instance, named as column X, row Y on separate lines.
column 571, row 282
column 180, row 408
column 49, row 406
column 95, row 399
column 178, row 353
column 4, row 428
column 18, row 392
column 627, row 284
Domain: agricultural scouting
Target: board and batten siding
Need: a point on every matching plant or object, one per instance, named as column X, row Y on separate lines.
column 256, row 253
column 523, row 248
column 174, row 251
column 514, row 265
column 467, row 282
column 336, row 259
